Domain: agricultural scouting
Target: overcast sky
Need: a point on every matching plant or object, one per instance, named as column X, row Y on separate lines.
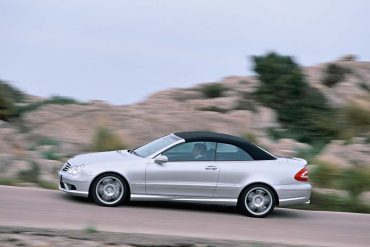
column 121, row 51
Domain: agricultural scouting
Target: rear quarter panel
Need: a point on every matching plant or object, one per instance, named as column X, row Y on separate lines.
column 236, row 175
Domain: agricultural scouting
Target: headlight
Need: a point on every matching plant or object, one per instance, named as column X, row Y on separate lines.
column 74, row 170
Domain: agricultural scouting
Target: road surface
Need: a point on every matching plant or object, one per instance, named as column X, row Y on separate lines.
column 33, row 207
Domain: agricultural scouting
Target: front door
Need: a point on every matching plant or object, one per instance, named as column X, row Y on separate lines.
column 190, row 171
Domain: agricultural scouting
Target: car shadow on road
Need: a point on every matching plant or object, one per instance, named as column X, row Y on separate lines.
column 75, row 198
column 289, row 213
column 278, row 212
column 184, row 206
column 161, row 205
column 195, row 207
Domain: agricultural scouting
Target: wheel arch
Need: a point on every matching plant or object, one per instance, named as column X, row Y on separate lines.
column 115, row 173
column 259, row 183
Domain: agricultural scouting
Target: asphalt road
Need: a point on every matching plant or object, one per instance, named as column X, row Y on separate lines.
column 53, row 209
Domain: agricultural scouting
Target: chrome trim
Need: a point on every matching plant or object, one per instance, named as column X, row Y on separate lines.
column 224, row 185
column 147, row 197
column 180, row 185
column 65, row 185
column 75, row 192
column 207, row 199
column 291, row 199
column 266, row 151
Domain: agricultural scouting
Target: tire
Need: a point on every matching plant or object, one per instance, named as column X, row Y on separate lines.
column 109, row 190
column 257, row 201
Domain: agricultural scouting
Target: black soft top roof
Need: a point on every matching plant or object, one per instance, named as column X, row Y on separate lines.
column 254, row 151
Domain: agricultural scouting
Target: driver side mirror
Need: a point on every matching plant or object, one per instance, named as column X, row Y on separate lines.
column 160, row 159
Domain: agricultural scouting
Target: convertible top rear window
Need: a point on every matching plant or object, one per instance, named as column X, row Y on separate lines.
column 254, row 151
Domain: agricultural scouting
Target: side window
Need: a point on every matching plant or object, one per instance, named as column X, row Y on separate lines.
column 192, row 151
column 228, row 152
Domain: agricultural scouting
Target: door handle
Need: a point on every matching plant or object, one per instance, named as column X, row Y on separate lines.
column 211, row 168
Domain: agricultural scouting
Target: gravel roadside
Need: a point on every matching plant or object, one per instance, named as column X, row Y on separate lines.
column 37, row 237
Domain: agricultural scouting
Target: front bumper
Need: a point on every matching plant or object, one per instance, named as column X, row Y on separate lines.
column 294, row 194
column 76, row 186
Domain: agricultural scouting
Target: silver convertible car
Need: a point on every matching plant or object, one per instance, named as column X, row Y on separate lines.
column 195, row 166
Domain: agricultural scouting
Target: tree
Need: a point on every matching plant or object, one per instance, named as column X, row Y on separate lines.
column 8, row 97
column 303, row 110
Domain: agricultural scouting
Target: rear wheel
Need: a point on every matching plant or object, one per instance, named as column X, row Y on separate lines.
column 257, row 201
column 109, row 190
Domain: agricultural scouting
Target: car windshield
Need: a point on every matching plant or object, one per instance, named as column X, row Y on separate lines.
column 156, row 145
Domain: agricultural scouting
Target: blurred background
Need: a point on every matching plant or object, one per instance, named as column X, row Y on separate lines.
column 291, row 76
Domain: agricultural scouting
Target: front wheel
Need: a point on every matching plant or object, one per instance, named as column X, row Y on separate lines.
column 257, row 201
column 109, row 190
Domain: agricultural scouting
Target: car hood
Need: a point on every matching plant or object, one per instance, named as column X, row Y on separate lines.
column 103, row 157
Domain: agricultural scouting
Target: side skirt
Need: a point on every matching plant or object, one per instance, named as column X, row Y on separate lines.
column 205, row 200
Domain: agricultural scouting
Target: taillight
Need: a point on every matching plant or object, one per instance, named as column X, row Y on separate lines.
column 302, row 175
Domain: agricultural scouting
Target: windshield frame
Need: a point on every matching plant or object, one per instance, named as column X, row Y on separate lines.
column 176, row 141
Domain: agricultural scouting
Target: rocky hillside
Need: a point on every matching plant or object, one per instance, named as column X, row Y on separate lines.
column 41, row 139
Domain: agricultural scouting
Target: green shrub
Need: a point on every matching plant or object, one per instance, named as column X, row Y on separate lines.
column 250, row 136
column 9, row 97
column 8, row 181
column 56, row 100
column 60, row 100
column 246, row 105
column 333, row 74
column 48, row 141
column 359, row 117
column 105, row 140
column 367, row 140
column 12, row 102
column 6, row 106
column 276, row 133
column 354, row 120
column 48, row 185
column 90, row 229
column 356, row 180
column 31, row 175
column 329, row 202
column 310, row 153
column 365, row 86
column 50, row 155
column 214, row 90
column 213, row 108
column 325, row 175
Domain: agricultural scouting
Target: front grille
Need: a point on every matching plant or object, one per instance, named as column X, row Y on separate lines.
column 66, row 167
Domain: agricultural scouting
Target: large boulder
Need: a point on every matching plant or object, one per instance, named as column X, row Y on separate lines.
column 355, row 85
column 49, row 169
column 345, row 155
column 5, row 161
column 15, row 167
column 283, row 147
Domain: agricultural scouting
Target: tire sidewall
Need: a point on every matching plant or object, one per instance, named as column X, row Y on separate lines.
column 95, row 183
column 243, row 207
